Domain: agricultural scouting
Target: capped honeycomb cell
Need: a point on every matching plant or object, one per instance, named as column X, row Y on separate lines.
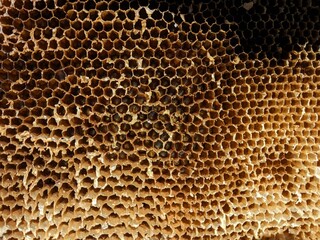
column 159, row 119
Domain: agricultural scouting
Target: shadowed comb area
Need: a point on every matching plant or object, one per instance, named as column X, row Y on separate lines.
column 159, row 119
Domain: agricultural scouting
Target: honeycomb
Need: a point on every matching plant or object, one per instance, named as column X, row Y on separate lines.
column 159, row 119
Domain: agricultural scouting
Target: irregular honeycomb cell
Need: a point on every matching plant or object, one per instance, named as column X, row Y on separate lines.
column 159, row 119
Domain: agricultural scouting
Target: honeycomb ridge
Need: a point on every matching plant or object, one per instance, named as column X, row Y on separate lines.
column 159, row 120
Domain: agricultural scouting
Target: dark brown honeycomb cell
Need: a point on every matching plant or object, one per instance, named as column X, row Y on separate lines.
column 159, row 119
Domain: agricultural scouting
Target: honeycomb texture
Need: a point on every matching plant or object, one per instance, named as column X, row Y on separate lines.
column 159, row 120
